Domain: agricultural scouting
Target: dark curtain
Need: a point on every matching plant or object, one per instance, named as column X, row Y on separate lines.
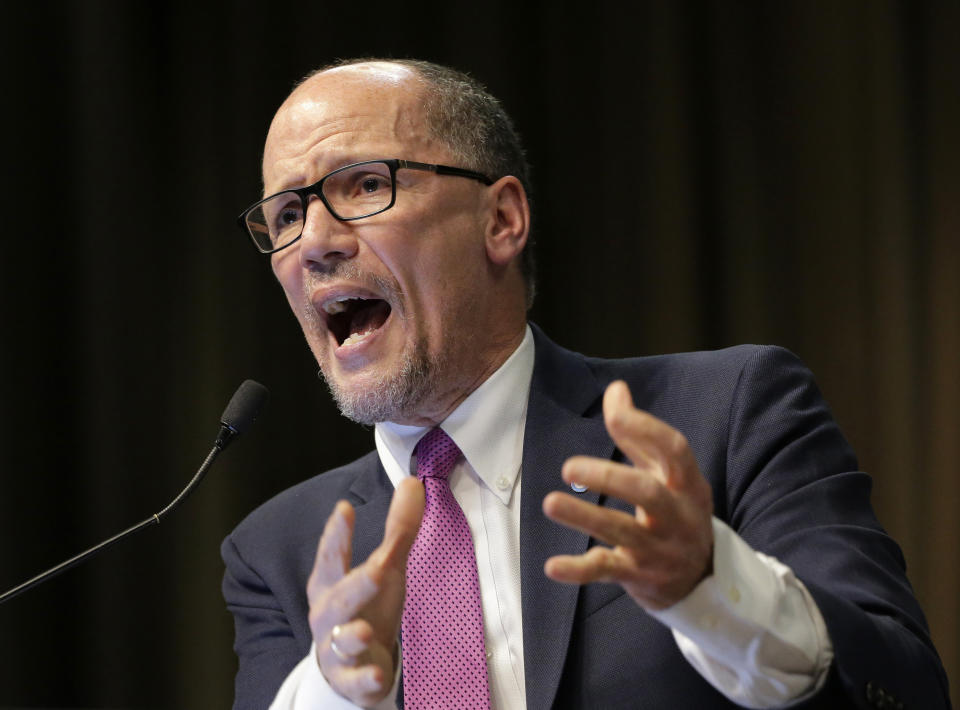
column 706, row 173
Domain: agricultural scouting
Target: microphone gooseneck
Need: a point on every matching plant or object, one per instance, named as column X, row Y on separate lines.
column 240, row 414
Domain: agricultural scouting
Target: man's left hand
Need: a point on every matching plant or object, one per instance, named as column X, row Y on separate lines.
column 662, row 551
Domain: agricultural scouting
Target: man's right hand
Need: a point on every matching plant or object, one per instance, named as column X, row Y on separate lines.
column 355, row 613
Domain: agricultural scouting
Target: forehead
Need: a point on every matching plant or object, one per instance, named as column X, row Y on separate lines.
column 342, row 115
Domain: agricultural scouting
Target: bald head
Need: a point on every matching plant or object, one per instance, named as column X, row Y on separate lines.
column 339, row 103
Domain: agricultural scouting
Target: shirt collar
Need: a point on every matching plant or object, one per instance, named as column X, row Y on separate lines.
column 488, row 426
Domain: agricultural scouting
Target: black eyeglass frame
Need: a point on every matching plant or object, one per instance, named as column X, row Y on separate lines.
column 316, row 188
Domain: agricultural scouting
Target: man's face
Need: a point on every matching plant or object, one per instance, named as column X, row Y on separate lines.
column 387, row 303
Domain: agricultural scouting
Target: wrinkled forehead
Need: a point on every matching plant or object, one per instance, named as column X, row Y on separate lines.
column 347, row 108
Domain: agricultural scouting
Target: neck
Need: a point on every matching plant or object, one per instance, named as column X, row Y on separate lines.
column 460, row 385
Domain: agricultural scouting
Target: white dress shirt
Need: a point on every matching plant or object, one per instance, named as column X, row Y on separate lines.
column 751, row 629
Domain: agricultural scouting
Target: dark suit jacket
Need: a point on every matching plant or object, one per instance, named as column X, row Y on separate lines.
column 782, row 476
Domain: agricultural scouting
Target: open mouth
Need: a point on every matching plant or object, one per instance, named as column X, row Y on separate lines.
column 351, row 319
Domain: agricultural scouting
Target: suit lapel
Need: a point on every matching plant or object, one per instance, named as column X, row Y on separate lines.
column 562, row 391
column 370, row 495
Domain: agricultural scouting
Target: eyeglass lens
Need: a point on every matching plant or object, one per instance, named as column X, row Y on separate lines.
column 353, row 192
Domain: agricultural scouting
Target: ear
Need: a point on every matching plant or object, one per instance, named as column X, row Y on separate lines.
column 509, row 220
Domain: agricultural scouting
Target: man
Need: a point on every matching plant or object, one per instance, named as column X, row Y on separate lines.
column 681, row 531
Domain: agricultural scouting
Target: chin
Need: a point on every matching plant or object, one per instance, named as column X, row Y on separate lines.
column 389, row 394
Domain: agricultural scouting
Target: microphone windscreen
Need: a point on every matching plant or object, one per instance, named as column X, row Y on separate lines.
column 244, row 406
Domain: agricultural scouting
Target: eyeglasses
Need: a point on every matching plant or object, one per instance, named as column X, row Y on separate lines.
column 352, row 192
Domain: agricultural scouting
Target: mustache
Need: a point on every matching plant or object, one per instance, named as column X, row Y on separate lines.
column 388, row 288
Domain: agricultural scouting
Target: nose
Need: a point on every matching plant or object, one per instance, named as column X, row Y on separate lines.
column 325, row 239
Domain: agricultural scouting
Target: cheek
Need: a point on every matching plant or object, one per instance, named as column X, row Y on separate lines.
column 439, row 277
column 461, row 269
column 290, row 277
column 452, row 293
column 438, row 260
column 288, row 274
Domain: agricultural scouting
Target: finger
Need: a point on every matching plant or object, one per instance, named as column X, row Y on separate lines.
column 403, row 523
column 362, row 677
column 602, row 564
column 334, row 549
column 637, row 486
column 339, row 654
column 357, row 682
column 642, row 437
column 352, row 637
column 613, row 527
column 598, row 564
column 348, row 596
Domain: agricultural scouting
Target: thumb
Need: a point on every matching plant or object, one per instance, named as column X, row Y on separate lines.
column 403, row 521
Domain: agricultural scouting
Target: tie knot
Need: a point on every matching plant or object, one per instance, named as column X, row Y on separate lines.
column 436, row 454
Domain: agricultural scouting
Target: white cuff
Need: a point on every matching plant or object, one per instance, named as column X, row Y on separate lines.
column 751, row 628
column 306, row 689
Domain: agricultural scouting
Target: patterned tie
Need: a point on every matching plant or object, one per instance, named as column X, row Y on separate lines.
column 444, row 660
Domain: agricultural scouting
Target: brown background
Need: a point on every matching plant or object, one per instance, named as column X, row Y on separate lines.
column 708, row 173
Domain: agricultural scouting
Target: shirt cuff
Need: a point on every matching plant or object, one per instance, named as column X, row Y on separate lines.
column 307, row 689
column 751, row 628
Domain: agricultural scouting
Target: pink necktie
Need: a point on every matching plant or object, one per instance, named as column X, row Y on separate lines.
column 444, row 660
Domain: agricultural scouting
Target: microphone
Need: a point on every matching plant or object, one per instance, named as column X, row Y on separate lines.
column 240, row 414
column 241, row 411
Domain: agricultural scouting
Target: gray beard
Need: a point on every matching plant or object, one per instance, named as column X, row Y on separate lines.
column 395, row 397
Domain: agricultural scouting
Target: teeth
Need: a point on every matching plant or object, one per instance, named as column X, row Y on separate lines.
column 356, row 337
column 337, row 305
